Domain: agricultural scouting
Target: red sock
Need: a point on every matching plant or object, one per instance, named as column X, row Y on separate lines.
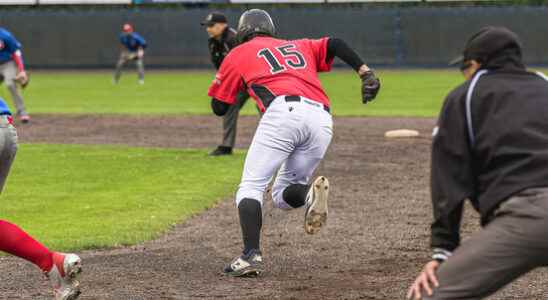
column 15, row 241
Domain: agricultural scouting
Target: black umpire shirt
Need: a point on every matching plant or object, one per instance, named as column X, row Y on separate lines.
column 500, row 149
column 220, row 48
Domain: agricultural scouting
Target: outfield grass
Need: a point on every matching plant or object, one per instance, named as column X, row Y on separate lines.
column 404, row 93
column 80, row 197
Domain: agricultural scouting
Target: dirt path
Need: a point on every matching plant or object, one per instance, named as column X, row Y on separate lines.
column 373, row 246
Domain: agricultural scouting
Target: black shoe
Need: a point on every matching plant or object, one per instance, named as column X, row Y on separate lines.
column 246, row 265
column 25, row 119
column 221, row 150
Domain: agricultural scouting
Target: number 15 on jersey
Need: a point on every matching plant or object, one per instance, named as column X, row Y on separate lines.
column 292, row 58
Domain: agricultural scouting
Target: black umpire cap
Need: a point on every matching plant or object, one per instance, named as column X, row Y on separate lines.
column 213, row 18
column 488, row 43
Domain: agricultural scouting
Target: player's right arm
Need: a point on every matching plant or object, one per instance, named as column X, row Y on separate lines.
column 225, row 87
column 14, row 47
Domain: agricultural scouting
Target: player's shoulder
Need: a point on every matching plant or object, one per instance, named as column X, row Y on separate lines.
column 4, row 33
column 246, row 48
column 307, row 40
column 307, row 43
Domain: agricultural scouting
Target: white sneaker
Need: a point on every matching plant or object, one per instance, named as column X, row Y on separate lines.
column 141, row 81
column 66, row 267
column 316, row 205
column 246, row 265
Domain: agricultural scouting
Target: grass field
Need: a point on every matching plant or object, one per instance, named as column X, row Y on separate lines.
column 81, row 197
column 404, row 93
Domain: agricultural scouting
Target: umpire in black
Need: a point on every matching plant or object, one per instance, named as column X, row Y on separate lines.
column 491, row 147
column 222, row 39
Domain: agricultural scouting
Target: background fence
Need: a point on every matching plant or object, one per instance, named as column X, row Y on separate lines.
column 399, row 36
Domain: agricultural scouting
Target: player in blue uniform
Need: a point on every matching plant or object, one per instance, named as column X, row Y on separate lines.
column 60, row 268
column 133, row 48
column 12, row 71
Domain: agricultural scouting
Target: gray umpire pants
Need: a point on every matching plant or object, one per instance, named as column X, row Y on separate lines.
column 8, row 148
column 126, row 56
column 9, row 71
column 230, row 120
column 514, row 243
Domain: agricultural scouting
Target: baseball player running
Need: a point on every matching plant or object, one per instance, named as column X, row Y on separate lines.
column 490, row 146
column 222, row 39
column 12, row 71
column 61, row 269
column 295, row 131
column 133, row 48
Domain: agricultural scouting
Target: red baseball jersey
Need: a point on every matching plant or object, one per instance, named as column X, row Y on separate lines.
column 268, row 66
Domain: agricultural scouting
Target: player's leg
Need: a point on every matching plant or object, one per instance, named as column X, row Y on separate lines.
column 60, row 268
column 292, row 189
column 119, row 65
column 13, row 240
column 271, row 146
column 141, row 70
column 10, row 72
column 513, row 244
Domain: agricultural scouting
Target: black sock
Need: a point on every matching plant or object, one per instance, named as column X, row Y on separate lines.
column 295, row 195
column 251, row 221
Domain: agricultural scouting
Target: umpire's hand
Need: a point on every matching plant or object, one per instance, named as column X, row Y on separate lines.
column 425, row 281
column 370, row 86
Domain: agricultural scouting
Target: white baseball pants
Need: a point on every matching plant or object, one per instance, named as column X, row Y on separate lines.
column 292, row 137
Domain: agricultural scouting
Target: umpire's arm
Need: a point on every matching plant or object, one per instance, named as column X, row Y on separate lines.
column 215, row 54
column 452, row 179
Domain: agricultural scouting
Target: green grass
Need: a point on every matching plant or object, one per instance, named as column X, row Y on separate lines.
column 404, row 93
column 81, row 197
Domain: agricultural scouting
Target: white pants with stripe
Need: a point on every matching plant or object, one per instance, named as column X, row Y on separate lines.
column 292, row 137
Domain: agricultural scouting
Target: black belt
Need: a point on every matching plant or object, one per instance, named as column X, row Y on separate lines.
column 299, row 99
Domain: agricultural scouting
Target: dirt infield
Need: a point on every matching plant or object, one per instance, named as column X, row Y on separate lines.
column 374, row 244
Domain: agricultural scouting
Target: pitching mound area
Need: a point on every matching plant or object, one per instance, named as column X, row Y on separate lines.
column 374, row 244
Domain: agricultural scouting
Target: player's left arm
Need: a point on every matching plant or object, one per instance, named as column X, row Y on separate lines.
column 370, row 83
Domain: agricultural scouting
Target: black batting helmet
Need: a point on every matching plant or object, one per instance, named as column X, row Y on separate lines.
column 255, row 22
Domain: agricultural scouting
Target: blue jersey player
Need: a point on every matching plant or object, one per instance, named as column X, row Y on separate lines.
column 133, row 48
column 12, row 71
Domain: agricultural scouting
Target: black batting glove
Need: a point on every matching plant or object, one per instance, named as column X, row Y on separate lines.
column 370, row 86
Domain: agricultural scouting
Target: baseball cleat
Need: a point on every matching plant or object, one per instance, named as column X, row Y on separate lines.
column 316, row 205
column 25, row 119
column 246, row 265
column 141, row 81
column 63, row 274
column 221, row 150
